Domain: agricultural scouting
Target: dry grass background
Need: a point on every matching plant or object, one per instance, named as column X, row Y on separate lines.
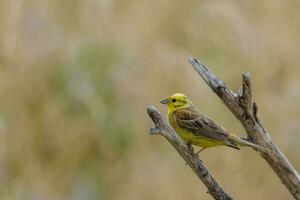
column 76, row 77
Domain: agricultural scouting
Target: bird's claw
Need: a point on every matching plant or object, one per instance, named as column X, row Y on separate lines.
column 190, row 147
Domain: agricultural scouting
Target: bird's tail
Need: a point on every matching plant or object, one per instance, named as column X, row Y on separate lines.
column 243, row 142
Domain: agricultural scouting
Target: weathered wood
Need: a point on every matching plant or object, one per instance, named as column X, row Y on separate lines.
column 246, row 112
column 162, row 128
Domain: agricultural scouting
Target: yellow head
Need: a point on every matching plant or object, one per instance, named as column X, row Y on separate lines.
column 176, row 101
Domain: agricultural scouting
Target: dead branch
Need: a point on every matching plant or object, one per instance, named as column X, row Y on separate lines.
column 162, row 128
column 245, row 110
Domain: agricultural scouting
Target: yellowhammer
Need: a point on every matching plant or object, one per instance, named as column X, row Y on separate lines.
column 197, row 129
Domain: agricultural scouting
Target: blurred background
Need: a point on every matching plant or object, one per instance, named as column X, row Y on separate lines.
column 76, row 77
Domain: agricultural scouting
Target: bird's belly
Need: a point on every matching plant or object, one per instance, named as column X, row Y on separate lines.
column 196, row 139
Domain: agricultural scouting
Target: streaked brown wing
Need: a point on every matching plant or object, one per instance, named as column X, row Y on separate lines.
column 193, row 121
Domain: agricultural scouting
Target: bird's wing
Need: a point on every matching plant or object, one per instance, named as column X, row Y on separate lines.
column 193, row 121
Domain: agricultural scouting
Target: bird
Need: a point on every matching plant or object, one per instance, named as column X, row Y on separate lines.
column 197, row 129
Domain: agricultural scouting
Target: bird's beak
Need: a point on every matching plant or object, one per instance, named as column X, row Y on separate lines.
column 164, row 101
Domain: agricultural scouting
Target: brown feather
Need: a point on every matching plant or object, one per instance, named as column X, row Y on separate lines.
column 195, row 122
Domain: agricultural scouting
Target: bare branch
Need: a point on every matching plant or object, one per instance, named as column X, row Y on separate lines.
column 246, row 112
column 162, row 128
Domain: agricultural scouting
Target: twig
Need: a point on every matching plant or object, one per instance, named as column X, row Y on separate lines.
column 162, row 128
column 242, row 106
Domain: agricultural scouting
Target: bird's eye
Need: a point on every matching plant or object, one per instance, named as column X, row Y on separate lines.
column 173, row 100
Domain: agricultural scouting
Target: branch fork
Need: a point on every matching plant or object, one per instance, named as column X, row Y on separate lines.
column 245, row 110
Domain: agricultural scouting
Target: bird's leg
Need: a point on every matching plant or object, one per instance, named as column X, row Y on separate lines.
column 200, row 151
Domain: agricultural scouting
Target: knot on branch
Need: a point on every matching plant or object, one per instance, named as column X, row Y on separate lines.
column 155, row 131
